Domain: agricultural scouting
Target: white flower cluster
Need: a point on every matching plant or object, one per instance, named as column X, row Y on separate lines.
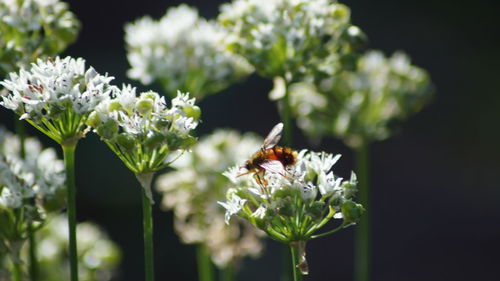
column 183, row 52
column 30, row 187
column 194, row 188
column 33, row 28
column 56, row 95
column 98, row 255
column 286, row 37
column 362, row 106
column 142, row 130
column 293, row 204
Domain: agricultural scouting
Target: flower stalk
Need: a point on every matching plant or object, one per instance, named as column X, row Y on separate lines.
column 69, row 164
column 33, row 260
column 205, row 267
column 294, row 250
column 362, row 236
column 147, row 218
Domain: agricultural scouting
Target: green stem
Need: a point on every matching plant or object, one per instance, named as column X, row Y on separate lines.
column 205, row 267
column 33, row 270
column 297, row 276
column 147, row 218
column 285, row 114
column 286, row 118
column 17, row 272
column 69, row 163
column 228, row 273
column 362, row 234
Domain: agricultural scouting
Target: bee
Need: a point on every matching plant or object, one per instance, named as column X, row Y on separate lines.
column 270, row 157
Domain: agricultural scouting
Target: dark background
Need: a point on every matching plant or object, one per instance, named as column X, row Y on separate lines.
column 435, row 184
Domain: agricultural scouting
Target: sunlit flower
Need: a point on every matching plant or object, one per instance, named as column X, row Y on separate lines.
column 292, row 205
column 30, row 29
column 364, row 105
column 183, row 52
column 143, row 131
column 192, row 192
column 56, row 96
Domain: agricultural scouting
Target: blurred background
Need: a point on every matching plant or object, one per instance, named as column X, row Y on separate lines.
column 435, row 184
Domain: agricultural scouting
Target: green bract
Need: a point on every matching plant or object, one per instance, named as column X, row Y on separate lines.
column 30, row 29
column 290, row 38
column 183, row 52
column 362, row 106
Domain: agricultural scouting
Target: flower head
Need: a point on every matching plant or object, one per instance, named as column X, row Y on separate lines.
column 31, row 29
column 30, row 187
column 56, row 96
column 182, row 51
column 143, row 131
column 292, row 205
column 192, row 192
column 364, row 105
column 289, row 38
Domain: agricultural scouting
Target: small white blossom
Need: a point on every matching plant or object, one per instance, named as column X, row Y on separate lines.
column 182, row 51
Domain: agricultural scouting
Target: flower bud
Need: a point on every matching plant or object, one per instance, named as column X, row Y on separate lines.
column 126, row 141
column 356, row 38
column 154, row 139
column 173, row 140
column 351, row 211
column 94, row 120
column 315, row 210
column 144, row 105
column 114, row 105
column 108, row 130
column 55, row 202
column 150, row 95
column 193, row 112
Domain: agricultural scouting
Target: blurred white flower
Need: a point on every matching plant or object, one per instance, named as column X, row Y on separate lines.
column 362, row 106
column 183, row 52
column 288, row 38
column 192, row 192
column 99, row 256
column 30, row 29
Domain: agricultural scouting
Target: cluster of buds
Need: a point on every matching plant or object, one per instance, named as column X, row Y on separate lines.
column 30, row 29
column 290, row 38
column 142, row 131
column 193, row 189
column 183, row 52
column 56, row 96
column 362, row 106
column 292, row 205
column 30, row 187
column 99, row 256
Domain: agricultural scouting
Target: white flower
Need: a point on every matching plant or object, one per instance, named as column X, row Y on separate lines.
column 33, row 28
column 193, row 189
column 361, row 104
column 233, row 206
column 182, row 51
column 286, row 204
column 285, row 37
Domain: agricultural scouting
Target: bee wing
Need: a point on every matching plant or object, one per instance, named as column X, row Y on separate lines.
column 273, row 166
column 274, row 136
